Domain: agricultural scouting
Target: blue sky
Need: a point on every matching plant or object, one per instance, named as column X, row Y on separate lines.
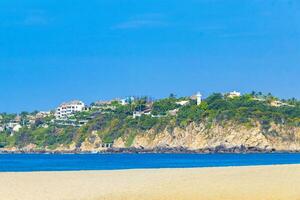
column 54, row 51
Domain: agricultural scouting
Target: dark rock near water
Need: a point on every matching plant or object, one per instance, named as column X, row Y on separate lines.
column 218, row 149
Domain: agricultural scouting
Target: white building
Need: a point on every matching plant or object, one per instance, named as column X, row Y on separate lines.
column 66, row 110
column 42, row 114
column 140, row 113
column 183, row 103
column 173, row 112
column 127, row 100
column 199, row 98
column 277, row 103
column 234, row 94
column 14, row 126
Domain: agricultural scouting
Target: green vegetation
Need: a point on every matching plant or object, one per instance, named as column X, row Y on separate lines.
column 161, row 107
column 130, row 139
column 118, row 120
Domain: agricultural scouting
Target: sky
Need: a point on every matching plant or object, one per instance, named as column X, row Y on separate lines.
column 56, row 51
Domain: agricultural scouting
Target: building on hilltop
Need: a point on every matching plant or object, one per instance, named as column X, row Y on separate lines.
column 183, row 102
column 197, row 97
column 173, row 112
column 103, row 105
column 66, row 110
column 277, row 103
column 140, row 113
column 127, row 100
column 234, row 94
column 43, row 114
column 13, row 126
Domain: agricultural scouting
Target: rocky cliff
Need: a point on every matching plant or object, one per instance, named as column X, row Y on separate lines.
column 199, row 136
column 225, row 137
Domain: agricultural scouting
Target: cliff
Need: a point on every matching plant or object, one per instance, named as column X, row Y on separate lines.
column 249, row 123
column 228, row 137
column 198, row 136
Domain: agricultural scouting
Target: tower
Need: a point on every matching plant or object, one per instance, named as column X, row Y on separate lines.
column 198, row 96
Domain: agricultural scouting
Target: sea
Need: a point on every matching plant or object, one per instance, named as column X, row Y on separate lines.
column 77, row 162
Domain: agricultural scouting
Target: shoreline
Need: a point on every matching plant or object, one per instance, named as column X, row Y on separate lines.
column 153, row 169
column 212, row 183
column 214, row 150
column 115, row 162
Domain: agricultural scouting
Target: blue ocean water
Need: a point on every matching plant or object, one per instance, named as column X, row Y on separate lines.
column 70, row 162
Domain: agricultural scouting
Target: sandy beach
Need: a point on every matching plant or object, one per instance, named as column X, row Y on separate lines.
column 229, row 183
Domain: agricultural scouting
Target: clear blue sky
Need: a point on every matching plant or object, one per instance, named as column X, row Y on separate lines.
column 54, row 51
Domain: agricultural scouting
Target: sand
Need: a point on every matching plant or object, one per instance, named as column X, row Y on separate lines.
column 229, row 183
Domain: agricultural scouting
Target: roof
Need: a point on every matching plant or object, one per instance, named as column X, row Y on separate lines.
column 75, row 102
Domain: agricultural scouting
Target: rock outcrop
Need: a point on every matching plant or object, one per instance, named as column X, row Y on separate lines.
column 199, row 136
column 217, row 137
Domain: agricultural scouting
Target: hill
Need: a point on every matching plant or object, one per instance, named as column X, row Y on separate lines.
column 220, row 123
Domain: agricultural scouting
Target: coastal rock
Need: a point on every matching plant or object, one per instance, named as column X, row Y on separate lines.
column 197, row 137
column 92, row 143
column 229, row 137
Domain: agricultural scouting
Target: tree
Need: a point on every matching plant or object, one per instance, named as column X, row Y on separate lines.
column 172, row 96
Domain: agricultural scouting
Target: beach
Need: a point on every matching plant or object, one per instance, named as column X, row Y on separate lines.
column 281, row 182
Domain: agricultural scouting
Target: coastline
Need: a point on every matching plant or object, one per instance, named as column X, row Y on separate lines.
column 218, row 149
column 222, row 183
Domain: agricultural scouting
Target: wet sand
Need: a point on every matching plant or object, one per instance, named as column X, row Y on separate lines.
column 229, row 183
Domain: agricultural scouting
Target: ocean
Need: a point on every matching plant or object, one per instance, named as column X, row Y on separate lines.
column 74, row 162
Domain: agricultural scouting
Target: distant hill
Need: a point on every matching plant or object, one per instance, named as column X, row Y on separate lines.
column 220, row 123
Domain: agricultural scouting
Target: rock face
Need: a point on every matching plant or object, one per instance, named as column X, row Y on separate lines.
column 92, row 143
column 225, row 137
column 198, row 136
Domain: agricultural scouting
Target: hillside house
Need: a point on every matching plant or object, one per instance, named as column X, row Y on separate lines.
column 233, row 94
column 66, row 110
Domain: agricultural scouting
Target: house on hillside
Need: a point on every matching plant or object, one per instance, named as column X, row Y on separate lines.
column 103, row 105
column 197, row 97
column 68, row 109
column 183, row 103
column 173, row 112
column 13, row 126
column 233, row 94
column 140, row 113
column 43, row 114
column 127, row 100
column 278, row 103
